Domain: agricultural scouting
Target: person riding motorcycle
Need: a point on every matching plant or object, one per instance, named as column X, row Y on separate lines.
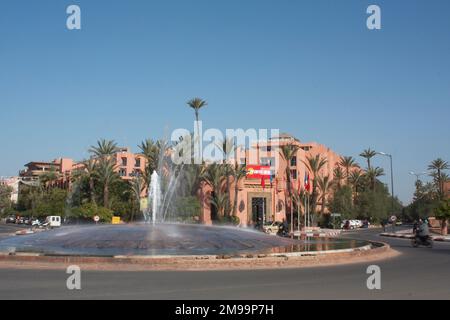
column 423, row 232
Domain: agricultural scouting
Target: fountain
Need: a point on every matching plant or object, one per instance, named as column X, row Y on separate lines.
column 158, row 236
column 152, row 214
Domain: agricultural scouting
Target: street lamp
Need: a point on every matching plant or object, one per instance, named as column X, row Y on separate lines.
column 392, row 179
column 418, row 175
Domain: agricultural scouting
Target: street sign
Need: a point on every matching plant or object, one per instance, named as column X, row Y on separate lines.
column 336, row 215
column 96, row 218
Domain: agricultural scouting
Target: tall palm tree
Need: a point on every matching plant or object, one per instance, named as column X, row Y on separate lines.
column 372, row 175
column 137, row 186
column 106, row 175
column 368, row 154
column 104, row 148
column 213, row 175
column 437, row 167
column 288, row 152
column 89, row 172
column 324, row 184
column 355, row 180
column 48, row 178
column 239, row 172
column 151, row 152
column 338, row 175
column 348, row 163
column 197, row 104
column 228, row 147
column 315, row 164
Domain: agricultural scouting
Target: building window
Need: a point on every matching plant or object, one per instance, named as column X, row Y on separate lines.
column 124, row 162
column 269, row 149
column 294, row 161
column 306, row 148
column 123, row 172
column 138, row 163
column 294, row 174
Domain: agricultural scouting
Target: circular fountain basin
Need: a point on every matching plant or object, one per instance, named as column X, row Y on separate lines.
column 164, row 240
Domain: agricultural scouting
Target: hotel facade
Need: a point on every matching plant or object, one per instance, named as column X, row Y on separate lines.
column 258, row 202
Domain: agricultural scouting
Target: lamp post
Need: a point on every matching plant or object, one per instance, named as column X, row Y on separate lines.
column 418, row 175
column 392, row 182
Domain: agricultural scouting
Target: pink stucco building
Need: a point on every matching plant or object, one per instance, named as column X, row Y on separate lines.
column 269, row 203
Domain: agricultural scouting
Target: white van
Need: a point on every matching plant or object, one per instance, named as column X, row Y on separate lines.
column 53, row 221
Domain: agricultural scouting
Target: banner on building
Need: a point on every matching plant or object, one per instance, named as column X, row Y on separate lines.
column 258, row 172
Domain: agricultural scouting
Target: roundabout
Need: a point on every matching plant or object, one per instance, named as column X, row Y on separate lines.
column 179, row 247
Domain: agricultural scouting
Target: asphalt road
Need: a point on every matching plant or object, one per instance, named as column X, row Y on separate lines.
column 419, row 273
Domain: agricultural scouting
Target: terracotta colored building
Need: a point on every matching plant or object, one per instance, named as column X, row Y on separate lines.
column 128, row 165
column 256, row 203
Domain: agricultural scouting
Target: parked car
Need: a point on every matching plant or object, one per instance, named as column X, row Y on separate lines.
column 272, row 227
column 350, row 224
column 10, row 219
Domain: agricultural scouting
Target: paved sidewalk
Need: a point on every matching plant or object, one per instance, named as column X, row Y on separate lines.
column 408, row 234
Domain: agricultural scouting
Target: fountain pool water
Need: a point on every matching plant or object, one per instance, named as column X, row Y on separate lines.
column 164, row 239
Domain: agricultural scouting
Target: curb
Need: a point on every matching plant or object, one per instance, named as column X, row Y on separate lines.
column 202, row 263
column 410, row 236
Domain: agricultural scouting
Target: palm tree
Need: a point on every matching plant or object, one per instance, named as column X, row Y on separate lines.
column 315, row 164
column 47, row 178
column 88, row 172
column 137, row 186
column 213, row 175
column 288, row 152
column 372, row 176
column 151, row 151
column 239, row 172
column 197, row 104
column 106, row 175
column 355, row 180
column 104, row 148
column 324, row 184
column 338, row 175
column 368, row 154
column 437, row 167
column 348, row 163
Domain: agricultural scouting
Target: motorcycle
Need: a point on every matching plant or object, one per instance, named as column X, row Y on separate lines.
column 422, row 241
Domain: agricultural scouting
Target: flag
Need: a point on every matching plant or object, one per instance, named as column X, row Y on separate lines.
column 307, row 185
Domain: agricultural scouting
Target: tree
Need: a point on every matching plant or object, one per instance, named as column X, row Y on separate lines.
column 372, row 175
column 437, row 168
column 5, row 199
column 442, row 213
column 341, row 202
column 288, row 152
column 151, row 151
column 106, row 176
column 324, row 184
column 348, row 163
column 355, row 180
column 137, row 186
column 197, row 104
column 368, row 154
column 239, row 172
column 104, row 148
column 214, row 176
column 315, row 164
column 88, row 172
column 338, row 175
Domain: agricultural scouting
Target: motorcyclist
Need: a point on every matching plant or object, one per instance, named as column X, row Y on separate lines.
column 423, row 233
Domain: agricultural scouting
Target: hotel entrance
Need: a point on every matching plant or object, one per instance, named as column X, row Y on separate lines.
column 260, row 209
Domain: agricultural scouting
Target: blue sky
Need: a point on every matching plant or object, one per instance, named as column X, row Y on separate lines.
column 128, row 73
